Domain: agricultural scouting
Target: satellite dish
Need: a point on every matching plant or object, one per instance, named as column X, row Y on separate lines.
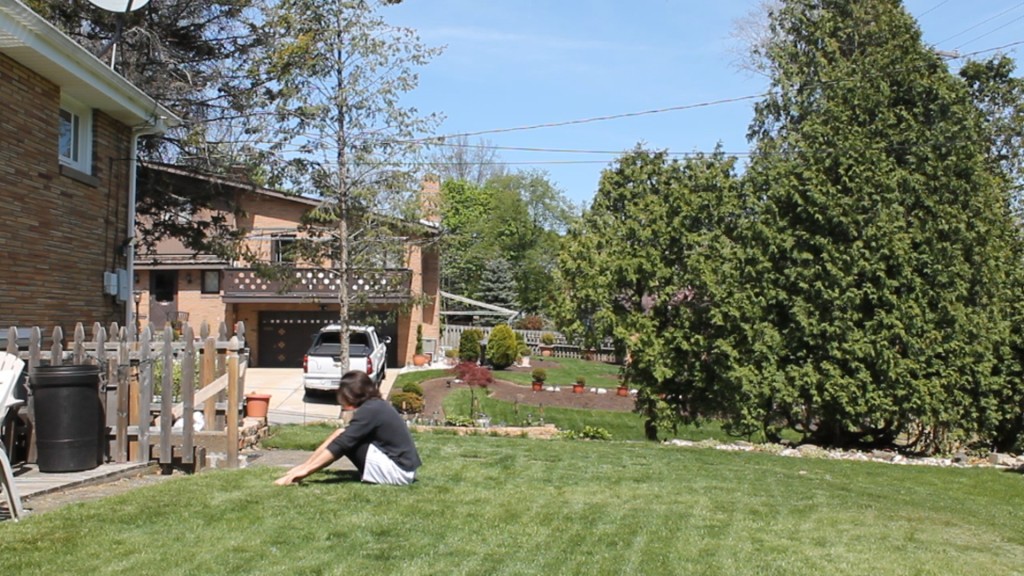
column 119, row 5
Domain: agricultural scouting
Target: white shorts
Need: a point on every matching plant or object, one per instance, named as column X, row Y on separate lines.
column 379, row 469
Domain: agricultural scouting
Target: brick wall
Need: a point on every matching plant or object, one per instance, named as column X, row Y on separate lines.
column 58, row 232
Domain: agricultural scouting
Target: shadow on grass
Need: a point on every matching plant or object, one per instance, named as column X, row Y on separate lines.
column 333, row 477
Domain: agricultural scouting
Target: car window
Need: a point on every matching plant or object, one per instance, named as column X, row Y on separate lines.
column 329, row 344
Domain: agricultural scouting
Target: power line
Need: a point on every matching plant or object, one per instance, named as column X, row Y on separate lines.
column 558, row 150
column 962, row 32
column 1004, row 46
column 440, row 139
column 994, row 30
column 932, row 9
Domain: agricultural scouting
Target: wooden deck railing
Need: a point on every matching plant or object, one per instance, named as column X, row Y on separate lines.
column 315, row 283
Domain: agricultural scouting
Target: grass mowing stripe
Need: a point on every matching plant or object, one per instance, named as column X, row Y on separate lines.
column 487, row 505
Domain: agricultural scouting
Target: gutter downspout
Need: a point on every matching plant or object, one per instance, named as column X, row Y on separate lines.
column 155, row 127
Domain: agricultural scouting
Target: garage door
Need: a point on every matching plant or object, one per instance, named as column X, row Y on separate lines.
column 285, row 336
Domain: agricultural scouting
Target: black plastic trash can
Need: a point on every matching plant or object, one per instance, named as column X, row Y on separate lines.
column 69, row 418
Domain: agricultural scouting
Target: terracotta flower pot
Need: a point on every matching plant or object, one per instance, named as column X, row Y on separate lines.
column 537, row 386
column 577, row 388
column 622, row 391
column 257, row 405
column 419, row 360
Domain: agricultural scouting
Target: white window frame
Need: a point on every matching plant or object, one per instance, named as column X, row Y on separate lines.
column 79, row 156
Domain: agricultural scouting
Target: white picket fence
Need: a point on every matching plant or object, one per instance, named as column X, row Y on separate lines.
column 562, row 348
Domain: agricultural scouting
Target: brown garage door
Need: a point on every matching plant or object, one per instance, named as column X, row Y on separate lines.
column 285, row 336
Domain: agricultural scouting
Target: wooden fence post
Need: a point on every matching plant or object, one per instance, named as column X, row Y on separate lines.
column 188, row 376
column 207, row 374
column 124, row 380
column 167, row 398
column 231, row 417
column 56, row 347
column 145, row 397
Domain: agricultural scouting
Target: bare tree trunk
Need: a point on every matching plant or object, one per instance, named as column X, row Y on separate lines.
column 343, row 193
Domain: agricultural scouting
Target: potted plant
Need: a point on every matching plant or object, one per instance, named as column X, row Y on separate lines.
column 418, row 358
column 539, row 376
column 577, row 387
column 623, row 389
column 450, row 356
column 547, row 344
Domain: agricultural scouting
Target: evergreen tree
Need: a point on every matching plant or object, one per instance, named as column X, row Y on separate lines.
column 887, row 251
column 497, row 286
column 654, row 264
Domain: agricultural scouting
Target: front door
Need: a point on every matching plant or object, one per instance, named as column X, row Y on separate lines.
column 163, row 298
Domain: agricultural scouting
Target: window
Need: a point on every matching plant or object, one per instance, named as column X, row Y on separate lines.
column 211, row 282
column 75, row 136
column 282, row 249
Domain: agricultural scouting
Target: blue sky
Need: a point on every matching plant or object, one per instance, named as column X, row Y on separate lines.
column 513, row 63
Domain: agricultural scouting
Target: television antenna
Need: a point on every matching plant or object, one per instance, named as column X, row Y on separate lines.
column 122, row 7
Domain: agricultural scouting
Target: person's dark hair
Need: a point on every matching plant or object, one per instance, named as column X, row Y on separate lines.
column 355, row 388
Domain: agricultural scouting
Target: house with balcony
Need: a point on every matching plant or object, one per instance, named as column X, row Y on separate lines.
column 68, row 138
column 172, row 284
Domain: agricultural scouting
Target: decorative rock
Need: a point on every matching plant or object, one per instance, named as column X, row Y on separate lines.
column 812, row 451
column 883, row 455
column 1008, row 460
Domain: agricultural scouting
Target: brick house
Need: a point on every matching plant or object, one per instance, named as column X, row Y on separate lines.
column 173, row 283
column 68, row 136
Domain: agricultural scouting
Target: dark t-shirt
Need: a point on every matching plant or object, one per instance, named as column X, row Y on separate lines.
column 377, row 422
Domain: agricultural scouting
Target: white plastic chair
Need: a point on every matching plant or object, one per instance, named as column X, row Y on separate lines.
column 10, row 370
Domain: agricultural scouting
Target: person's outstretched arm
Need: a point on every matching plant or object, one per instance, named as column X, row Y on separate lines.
column 318, row 460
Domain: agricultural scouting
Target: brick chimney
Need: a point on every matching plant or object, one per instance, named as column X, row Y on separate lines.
column 430, row 199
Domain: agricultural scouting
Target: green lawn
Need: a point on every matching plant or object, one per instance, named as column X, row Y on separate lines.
column 597, row 374
column 621, row 425
column 492, row 506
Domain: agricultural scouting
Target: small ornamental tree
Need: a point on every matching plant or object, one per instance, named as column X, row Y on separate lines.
column 419, row 339
column 539, row 374
column 469, row 345
column 473, row 374
column 502, row 347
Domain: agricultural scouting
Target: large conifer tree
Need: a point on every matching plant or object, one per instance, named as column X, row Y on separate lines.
column 887, row 248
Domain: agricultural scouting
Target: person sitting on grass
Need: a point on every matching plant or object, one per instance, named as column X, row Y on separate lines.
column 377, row 440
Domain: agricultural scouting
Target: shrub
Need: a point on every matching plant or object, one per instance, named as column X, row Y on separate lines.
column 451, row 353
column 413, row 388
column 588, row 433
column 524, row 350
column 539, row 374
column 502, row 348
column 419, row 340
column 581, row 380
column 547, row 339
column 531, row 322
column 460, row 421
column 407, row 402
column 469, row 345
